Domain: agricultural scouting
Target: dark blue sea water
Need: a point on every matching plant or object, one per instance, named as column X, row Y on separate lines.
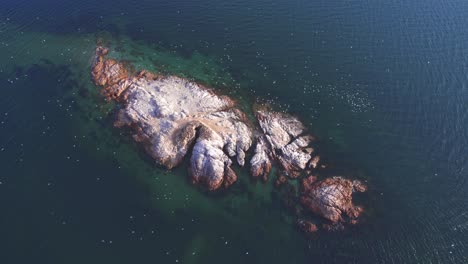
column 383, row 85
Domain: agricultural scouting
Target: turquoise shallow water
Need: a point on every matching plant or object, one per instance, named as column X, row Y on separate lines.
column 382, row 84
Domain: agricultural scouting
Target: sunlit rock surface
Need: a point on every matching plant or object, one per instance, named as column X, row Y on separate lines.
column 332, row 198
column 260, row 164
column 284, row 140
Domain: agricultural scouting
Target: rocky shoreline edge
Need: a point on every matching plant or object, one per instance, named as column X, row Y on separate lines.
column 172, row 118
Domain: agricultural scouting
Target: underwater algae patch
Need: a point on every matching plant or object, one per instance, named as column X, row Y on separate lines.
column 172, row 117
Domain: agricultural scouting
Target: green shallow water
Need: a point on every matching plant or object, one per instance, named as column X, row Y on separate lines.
column 381, row 84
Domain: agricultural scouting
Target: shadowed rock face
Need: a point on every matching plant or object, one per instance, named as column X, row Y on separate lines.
column 171, row 116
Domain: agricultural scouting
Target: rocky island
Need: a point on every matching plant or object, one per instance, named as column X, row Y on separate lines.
column 173, row 118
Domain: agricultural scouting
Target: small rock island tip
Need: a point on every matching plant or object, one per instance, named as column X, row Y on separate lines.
column 171, row 117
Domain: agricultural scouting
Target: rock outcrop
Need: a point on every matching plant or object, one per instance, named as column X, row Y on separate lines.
column 260, row 164
column 332, row 198
column 173, row 117
column 284, row 141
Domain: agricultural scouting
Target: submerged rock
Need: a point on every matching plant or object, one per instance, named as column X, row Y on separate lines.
column 307, row 226
column 281, row 180
column 332, row 198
